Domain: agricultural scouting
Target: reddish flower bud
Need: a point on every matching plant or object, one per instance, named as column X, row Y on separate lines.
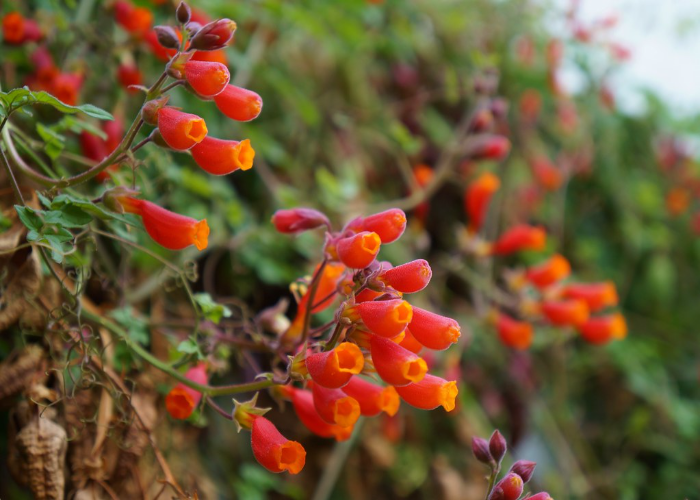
column 497, row 446
column 207, row 78
column 429, row 393
column 394, row 364
column 182, row 400
column 513, row 333
column 508, row 488
column 360, row 250
column 480, row 448
column 524, row 469
column 297, row 220
column 565, row 312
column 135, row 20
column 334, row 369
column 13, row 25
column 179, row 130
column 128, row 75
column 387, row 318
column 434, row 331
column 409, row 342
column 168, row 229
column 597, row 295
column 335, row 407
column 221, row 157
column 518, row 238
column 541, row 496
column 303, row 403
column 408, row 278
column 168, row 38
column 556, row 268
column 214, row 36
column 547, row 175
column 273, row 451
column 603, row 329
column 489, row 147
column 238, row 103
column 389, row 225
column 477, row 198
column 373, row 399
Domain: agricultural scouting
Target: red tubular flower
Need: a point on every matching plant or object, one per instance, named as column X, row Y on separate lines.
column 387, row 318
column 168, row 229
column 366, row 295
column 409, row 342
column 334, row 369
column 518, row 238
column 207, row 78
column 373, row 399
column 408, row 278
column 554, row 269
column 603, row 329
column 297, row 220
column 394, row 364
column 214, row 36
column 477, row 198
column 182, row 400
column 13, row 25
column 135, row 20
column 597, row 295
column 490, row 147
column 273, row 451
column 548, row 176
column 238, row 103
column 434, row 331
column 508, row 488
column 303, row 403
column 513, row 333
column 566, row 312
column 430, row 393
column 389, row 225
column 221, row 157
column 181, row 131
column 541, row 496
column 128, row 75
column 335, row 407
column 360, row 250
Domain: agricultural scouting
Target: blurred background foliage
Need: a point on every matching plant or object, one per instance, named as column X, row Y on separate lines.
column 358, row 93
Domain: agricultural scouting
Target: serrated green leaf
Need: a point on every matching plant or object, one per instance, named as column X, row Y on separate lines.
column 29, row 218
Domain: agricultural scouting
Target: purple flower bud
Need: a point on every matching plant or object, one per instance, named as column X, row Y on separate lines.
column 480, row 448
column 524, row 469
column 214, row 36
column 167, row 37
column 183, row 13
column 497, row 446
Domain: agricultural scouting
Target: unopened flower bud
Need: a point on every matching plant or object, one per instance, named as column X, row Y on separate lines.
column 508, row 488
column 214, row 36
column 524, row 469
column 167, row 37
column 183, row 13
column 297, row 220
column 244, row 413
column 149, row 112
column 111, row 198
column 497, row 446
column 480, row 448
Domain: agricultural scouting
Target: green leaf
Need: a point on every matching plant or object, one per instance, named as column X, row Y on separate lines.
column 53, row 141
column 16, row 98
column 134, row 324
column 190, row 346
column 68, row 216
column 210, row 309
column 29, row 218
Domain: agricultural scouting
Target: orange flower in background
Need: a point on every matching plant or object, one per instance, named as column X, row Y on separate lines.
column 394, row 364
column 66, row 87
column 433, row 330
column 238, row 103
column 215, row 56
column 181, row 131
column 477, row 198
column 513, row 333
column 168, row 229
column 335, row 407
column 554, row 269
column 423, row 175
column 207, row 78
column 429, row 393
column 518, row 238
column 387, row 318
column 547, row 175
column 360, row 250
column 273, row 451
column 13, row 28
column 388, row 225
column 596, row 295
column 373, row 399
column 222, row 157
column 677, row 201
column 566, row 312
column 303, row 403
column 530, row 105
column 162, row 53
column 603, row 329
column 182, row 400
column 134, row 20
column 335, row 368
column 128, row 75
column 489, row 147
column 411, row 277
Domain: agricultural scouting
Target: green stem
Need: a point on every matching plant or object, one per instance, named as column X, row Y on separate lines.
column 15, row 186
column 334, row 337
column 312, row 295
column 492, row 480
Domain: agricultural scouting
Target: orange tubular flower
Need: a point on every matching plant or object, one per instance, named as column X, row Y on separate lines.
column 518, row 238
column 13, row 28
column 556, row 268
column 603, row 329
column 181, row 131
column 273, row 451
column 430, row 393
column 389, row 225
column 366, row 295
column 373, row 399
column 182, row 400
column 334, row 369
column 387, row 318
column 168, row 229
column 597, row 295
column 303, row 403
column 434, row 331
column 477, row 198
column 129, row 75
column 566, row 312
column 335, row 407
column 394, row 364
column 135, row 20
column 360, row 250
column 408, row 278
column 513, row 333
column 409, row 342
column 221, row 157
column 207, row 78
column 548, row 176
column 238, row 103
